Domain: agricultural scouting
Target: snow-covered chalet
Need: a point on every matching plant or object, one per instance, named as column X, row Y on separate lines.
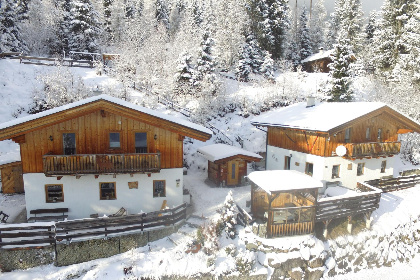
column 337, row 143
column 100, row 154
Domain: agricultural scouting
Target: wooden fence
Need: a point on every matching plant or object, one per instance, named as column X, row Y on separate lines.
column 346, row 206
column 395, row 184
column 243, row 217
column 51, row 233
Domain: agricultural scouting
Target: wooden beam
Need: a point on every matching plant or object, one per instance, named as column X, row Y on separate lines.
column 19, row 139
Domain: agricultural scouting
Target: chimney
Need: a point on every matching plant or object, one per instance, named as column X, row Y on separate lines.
column 321, row 50
column 310, row 101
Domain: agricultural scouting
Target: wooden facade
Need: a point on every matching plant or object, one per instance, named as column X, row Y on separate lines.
column 42, row 148
column 373, row 135
column 319, row 65
column 229, row 172
column 11, row 177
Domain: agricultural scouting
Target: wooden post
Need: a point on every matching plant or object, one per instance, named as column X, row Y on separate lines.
column 325, row 233
column 349, row 225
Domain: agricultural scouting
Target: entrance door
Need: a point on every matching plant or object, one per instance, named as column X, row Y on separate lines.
column 233, row 173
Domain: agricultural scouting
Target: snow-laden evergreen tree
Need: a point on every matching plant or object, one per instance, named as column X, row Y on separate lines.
column 107, row 4
column 267, row 67
column 334, row 23
column 162, row 12
column 22, row 9
column 10, row 32
column 339, row 89
column 304, row 41
column 250, row 59
column 387, row 42
column 197, row 11
column 352, row 22
column 184, row 77
column 206, row 64
column 228, row 216
column 61, row 45
column 270, row 22
column 372, row 25
column 84, row 27
column 243, row 69
column 318, row 25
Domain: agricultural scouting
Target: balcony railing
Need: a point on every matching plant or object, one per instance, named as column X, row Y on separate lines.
column 101, row 164
column 373, row 149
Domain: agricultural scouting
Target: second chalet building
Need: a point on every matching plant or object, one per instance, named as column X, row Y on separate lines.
column 100, row 154
column 337, row 143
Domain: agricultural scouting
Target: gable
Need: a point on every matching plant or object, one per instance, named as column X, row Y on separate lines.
column 103, row 103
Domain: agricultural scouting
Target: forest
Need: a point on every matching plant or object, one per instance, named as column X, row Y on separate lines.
column 187, row 50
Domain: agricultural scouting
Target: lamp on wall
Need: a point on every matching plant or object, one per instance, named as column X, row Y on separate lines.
column 51, row 138
column 291, row 155
column 155, row 137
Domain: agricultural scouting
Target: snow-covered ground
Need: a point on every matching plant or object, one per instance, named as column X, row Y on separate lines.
column 167, row 256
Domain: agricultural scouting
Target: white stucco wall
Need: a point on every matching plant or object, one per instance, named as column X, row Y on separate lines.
column 323, row 166
column 81, row 196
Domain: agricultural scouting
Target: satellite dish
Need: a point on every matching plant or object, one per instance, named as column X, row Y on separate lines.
column 340, row 150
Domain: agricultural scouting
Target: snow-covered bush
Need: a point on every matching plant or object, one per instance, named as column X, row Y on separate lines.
column 245, row 261
column 231, row 250
column 410, row 147
column 208, row 236
column 228, row 216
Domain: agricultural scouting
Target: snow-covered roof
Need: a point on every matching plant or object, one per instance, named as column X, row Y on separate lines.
column 110, row 99
column 318, row 56
column 321, row 117
column 283, row 180
column 220, row 151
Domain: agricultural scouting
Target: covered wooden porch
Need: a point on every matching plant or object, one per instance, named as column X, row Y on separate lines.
column 285, row 200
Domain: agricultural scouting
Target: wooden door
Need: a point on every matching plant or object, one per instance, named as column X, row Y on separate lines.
column 233, row 173
column 12, row 179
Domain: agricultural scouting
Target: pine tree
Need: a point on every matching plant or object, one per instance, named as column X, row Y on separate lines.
column 10, row 32
column 107, row 16
column 334, row 24
column 372, row 25
column 352, row 22
column 63, row 31
column 340, row 74
column 318, row 25
column 243, row 69
column 228, row 216
column 22, row 8
column 305, row 49
column 84, row 27
column 267, row 68
column 162, row 12
column 206, row 65
column 184, row 77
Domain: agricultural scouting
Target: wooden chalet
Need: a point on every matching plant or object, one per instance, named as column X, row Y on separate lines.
column 104, row 152
column 335, row 142
column 227, row 165
column 286, row 200
column 318, row 62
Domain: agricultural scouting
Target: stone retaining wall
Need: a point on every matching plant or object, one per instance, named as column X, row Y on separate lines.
column 63, row 254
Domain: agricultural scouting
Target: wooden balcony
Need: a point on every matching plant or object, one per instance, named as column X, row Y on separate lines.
column 101, row 164
column 372, row 149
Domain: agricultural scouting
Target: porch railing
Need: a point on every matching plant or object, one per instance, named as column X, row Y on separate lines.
column 372, row 149
column 101, row 164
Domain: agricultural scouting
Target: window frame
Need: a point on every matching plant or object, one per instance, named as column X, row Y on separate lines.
column 383, row 166
column 347, row 135
column 75, row 142
column 120, row 140
column 104, row 197
column 362, row 170
column 380, row 132
column 147, row 142
column 338, row 171
column 157, row 194
column 52, row 200
column 307, row 168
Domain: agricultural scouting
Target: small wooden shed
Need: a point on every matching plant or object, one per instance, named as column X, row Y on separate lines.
column 284, row 199
column 227, row 165
column 11, row 177
column 318, row 61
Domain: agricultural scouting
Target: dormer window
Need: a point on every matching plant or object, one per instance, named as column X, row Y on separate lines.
column 347, row 135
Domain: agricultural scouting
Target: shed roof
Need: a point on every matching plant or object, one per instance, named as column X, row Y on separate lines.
column 318, row 56
column 217, row 152
column 22, row 125
column 327, row 116
column 283, row 180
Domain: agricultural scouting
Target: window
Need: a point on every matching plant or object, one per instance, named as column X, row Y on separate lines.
column 287, row 162
column 379, row 134
column 140, row 140
column 107, row 190
column 368, row 133
column 360, row 169
column 69, row 143
column 233, row 170
column 159, row 188
column 335, row 171
column 383, row 166
column 309, row 169
column 54, row 193
column 114, row 140
column 347, row 135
